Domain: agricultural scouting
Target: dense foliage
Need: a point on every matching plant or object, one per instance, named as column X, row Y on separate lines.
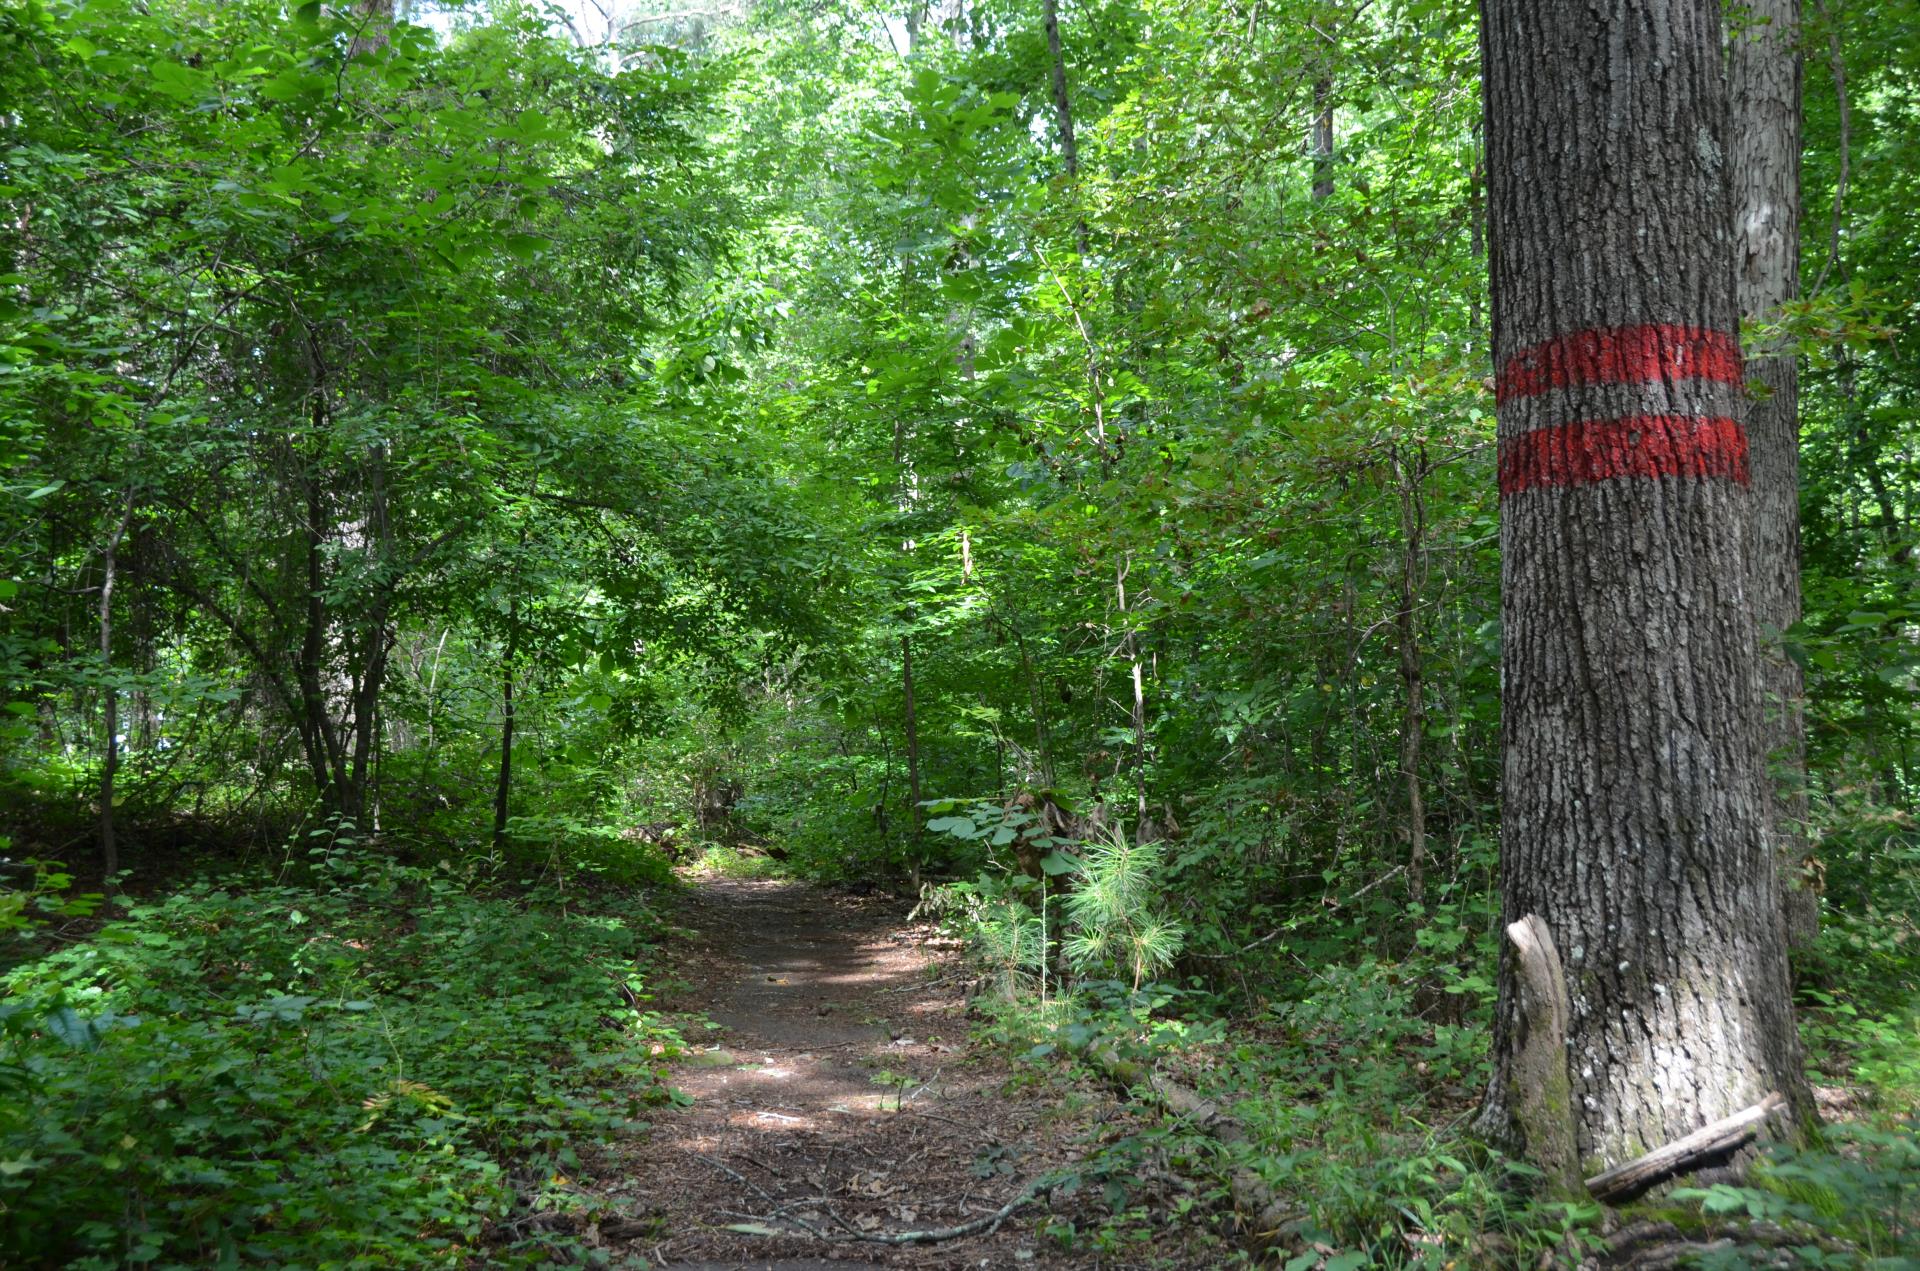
column 375, row 1065
column 838, row 432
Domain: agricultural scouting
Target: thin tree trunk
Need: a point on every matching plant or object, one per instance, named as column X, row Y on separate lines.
column 375, row 643
column 1765, row 83
column 1130, row 645
column 1634, row 805
column 1322, row 139
column 1062, row 104
column 1070, row 160
column 1477, row 225
column 1413, row 724
column 315, row 728
column 1036, row 695
column 110, row 759
column 913, row 757
column 325, row 754
column 503, row 786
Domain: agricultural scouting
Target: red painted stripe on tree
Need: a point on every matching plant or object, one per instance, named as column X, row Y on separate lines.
column 1647, row 354
column 1637, row 446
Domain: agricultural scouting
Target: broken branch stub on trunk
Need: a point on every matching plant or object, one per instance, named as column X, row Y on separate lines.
column 1540, row 1091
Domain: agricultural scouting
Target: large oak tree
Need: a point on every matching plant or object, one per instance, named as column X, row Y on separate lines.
column 1634, row 802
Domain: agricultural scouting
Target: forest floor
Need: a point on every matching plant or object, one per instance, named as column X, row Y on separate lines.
column 840, row 1103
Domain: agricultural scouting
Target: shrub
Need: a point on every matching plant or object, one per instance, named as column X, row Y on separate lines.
column 335, row 1073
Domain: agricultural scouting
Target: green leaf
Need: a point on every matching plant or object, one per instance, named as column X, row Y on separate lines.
column 71, row 1028
column 528, row 247
column 1057, row 863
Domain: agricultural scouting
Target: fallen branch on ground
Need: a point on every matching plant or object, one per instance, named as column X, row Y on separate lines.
column 985, row 1225
column 1263, row 1209
column 1720, row 1137
column 975, row 1130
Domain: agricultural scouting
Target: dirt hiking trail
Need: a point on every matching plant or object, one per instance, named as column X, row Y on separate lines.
column 839, row 1103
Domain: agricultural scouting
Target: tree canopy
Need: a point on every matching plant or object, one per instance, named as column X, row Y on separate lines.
column 1041, row 459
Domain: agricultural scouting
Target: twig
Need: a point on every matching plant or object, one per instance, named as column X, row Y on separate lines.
column 781, row 1215
column 1278, row 931
column 754, row 1160
column 979, row 1226
column 986, row 1225
column 971, row 1129
column 926, row 1086
column 924, row 984
column 740, row 1178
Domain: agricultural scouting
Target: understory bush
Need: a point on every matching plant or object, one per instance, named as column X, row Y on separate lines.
column 1851, row 1200
column 352, row 1069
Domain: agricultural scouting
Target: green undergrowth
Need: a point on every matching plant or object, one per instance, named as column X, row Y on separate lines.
column 729, row 861
column 1352, row 1103
column 361, row 1063
column 1355, row 1090
column 1850, row 1200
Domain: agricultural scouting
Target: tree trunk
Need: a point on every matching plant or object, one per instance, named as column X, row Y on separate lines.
column 110, row 757
column 1130, row 645
column 503, row 786
column 326, row 756
column 1062, row 104
column 1634, row 803
column 374, row 645
column 1412, row 471
column 1476, row 225
column 1322, row 139
column 1765, row 79
column 1070, row 160
column 373, row 27
column 1037, row 701
column 913, row 758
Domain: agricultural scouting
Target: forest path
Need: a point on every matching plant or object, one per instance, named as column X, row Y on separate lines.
column 839, row 1094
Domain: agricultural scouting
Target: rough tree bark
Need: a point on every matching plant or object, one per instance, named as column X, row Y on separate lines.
column 1634, row 803
column 1765, row 79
